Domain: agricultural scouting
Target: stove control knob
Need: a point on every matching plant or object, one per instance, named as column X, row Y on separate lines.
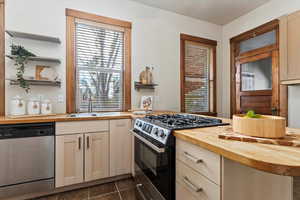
column 140, row 124
column 155, row 131
column 162, row 134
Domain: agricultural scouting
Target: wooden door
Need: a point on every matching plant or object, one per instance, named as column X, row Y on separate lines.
column 96, row 156
column 120, row 147
column 69, row 160
column 257, row 83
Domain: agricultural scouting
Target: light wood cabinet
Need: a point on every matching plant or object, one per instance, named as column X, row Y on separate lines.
column 91, row 150
column 198, row 172
column 69, row 160
column 289, row 41
column 203, row 161
column 120, row 147
column 96, row 156
column 194, row 184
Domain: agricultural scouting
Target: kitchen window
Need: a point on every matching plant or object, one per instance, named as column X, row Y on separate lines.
column 98, row 63
column 198, row 75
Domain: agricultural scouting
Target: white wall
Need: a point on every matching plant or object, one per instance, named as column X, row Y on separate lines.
column 261, row 15
column 155, row 42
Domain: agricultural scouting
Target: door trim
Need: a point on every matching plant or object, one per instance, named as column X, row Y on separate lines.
column 271, row 49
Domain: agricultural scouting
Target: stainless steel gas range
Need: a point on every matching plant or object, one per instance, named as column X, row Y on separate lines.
column 154, row 146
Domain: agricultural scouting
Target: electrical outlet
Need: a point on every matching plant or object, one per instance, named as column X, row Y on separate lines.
column 40, row 97
column 60, row 99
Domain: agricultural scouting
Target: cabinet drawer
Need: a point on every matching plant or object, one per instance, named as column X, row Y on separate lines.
column 81, row 127
column 203, row 161
column 192, row 185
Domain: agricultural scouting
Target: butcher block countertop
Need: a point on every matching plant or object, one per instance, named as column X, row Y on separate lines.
column 275, row 159
column 281, row 160
column 67, row 117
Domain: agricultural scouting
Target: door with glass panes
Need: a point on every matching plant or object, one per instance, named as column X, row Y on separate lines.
column 257, row 73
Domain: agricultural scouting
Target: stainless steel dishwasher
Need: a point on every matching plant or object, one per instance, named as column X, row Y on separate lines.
column 26, row 158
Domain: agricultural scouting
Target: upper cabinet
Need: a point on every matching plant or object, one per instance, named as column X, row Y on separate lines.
column 289, row 48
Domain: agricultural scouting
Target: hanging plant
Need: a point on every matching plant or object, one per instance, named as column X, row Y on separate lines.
column 20, row 55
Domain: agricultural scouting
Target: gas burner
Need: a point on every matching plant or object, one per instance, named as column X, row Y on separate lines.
column 159, row 127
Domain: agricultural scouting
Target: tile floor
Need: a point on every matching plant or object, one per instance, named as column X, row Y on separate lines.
column 119, row 190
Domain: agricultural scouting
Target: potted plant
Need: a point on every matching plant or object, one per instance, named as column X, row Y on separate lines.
column 20, row 56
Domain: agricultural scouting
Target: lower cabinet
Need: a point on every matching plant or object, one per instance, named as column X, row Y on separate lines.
column 81, row 157
column 198, row 173
column 92, row 150
column 96, row 156
column 120, row 147
column 69, row 160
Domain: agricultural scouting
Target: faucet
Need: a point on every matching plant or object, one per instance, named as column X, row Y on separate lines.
column 90, row 106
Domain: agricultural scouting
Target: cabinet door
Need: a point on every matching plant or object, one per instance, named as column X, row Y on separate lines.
column 69, row 160
column 120, row 147
column 293, row 45
column 96, row 156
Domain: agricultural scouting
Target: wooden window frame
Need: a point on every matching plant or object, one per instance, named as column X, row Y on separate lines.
column 235, row 57
column 2, row 58
column 70, row 62
column 206, row 42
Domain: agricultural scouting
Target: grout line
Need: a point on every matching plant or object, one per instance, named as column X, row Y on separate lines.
column 118, row 190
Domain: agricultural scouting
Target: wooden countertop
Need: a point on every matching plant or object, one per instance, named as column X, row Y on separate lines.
column 66, row 117
column 270, row 158
column 274, row 159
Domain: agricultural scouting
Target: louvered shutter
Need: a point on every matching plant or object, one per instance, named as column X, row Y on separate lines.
column 99, row 66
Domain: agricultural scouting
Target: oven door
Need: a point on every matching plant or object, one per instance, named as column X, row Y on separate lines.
column 152, row 169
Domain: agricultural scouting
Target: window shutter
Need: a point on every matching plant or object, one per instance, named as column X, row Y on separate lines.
column 99, row 67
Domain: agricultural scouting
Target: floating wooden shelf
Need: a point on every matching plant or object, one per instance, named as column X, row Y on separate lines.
column 41, row 59
column 37, row 82
column 44, row 38
column 139, row 85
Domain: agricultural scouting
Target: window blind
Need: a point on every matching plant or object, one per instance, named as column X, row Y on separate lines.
column 99, row 67
column 197, row 77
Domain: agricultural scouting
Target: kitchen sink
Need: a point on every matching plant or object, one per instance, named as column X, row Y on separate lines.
column 104, row 114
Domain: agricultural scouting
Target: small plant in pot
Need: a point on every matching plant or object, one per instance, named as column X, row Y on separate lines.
column 20, row 56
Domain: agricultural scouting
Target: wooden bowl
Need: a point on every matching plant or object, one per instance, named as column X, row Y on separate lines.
column 266, row 127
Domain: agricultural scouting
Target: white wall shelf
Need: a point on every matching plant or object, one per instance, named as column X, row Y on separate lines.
column 16, row 34
column 37, row 82
column 41, row 59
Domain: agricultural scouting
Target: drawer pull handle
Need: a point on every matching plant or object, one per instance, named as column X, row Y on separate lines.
column 191, row 185
column 88, row 142
column 192, row 158
column 79, row 143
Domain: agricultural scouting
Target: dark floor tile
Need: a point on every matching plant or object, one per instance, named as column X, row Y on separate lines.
column 111, row 196
column 125, row 184
column 81, row 194
column 102, row 189
column 129, row 194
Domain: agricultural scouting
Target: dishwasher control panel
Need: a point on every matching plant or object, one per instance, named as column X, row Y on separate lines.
column 26, row 130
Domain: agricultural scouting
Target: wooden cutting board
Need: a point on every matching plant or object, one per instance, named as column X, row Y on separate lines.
column 291, row 140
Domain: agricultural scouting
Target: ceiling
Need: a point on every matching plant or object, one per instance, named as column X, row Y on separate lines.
column 215, row 11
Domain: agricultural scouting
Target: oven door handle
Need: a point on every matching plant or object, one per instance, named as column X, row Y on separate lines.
column 138, row 188
column 149, row 144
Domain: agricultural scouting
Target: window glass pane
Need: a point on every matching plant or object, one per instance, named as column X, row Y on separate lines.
column 99, row 68
column 258, row 41
column 257, row 75
column 197, row 67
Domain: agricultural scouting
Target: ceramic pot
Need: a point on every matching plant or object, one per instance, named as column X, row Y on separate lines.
column 33, row 107
column 46, row 107
column 17, row 106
